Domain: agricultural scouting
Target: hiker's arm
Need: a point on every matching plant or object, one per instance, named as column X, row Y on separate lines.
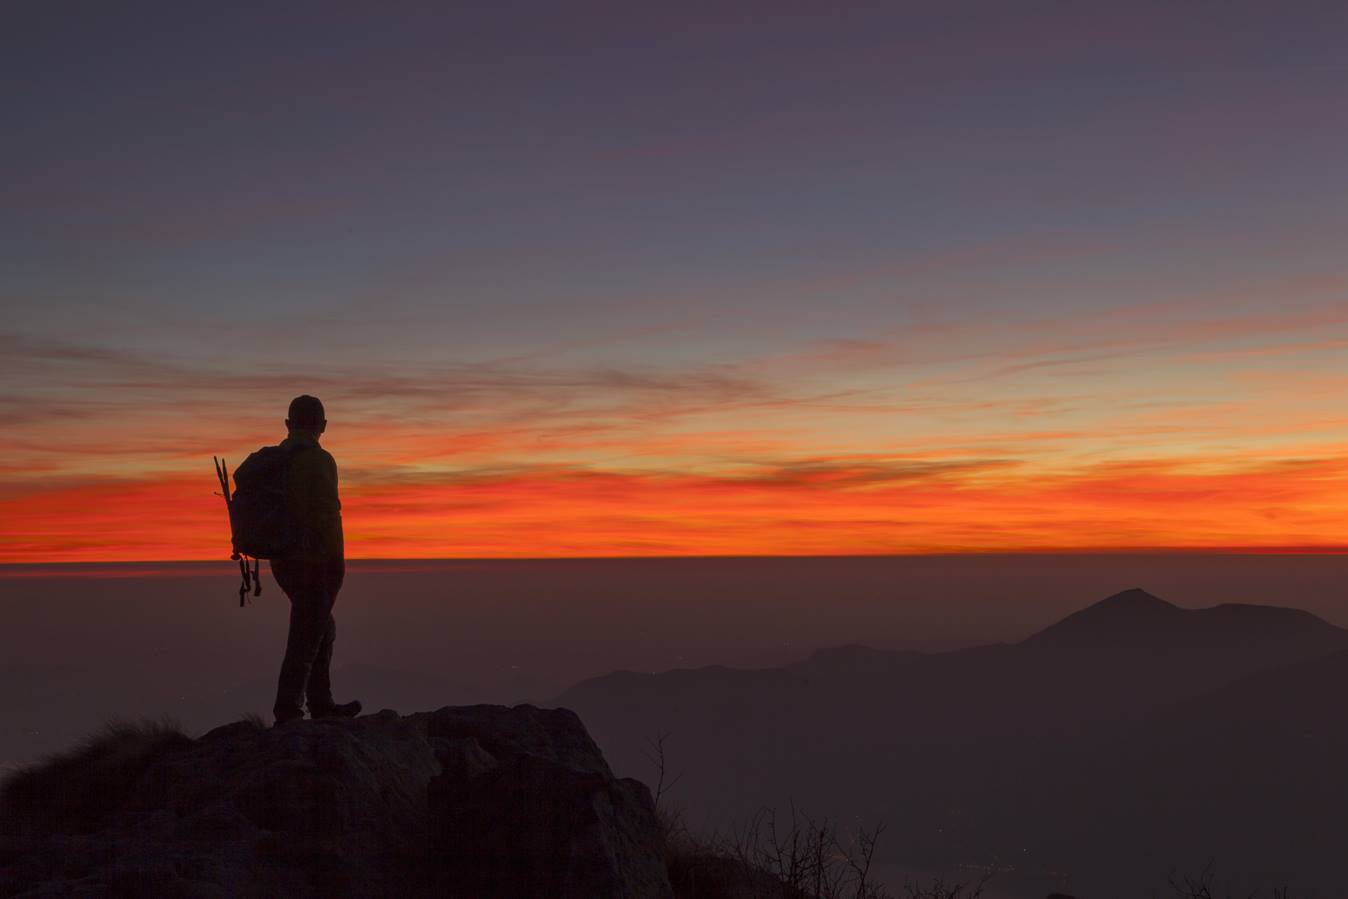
column 328, row 509
column 317, row 508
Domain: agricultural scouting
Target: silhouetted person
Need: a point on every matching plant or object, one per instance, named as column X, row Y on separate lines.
column 312, row 573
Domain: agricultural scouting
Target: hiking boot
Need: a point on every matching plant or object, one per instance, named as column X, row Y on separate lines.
column 336, row 710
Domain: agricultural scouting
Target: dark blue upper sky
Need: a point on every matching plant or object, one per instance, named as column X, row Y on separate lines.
column 510, row 173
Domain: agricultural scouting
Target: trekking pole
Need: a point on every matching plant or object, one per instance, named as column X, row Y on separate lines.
column 222, row 472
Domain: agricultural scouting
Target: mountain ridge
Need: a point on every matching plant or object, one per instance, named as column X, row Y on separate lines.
column 1118, row 614
column 951, row 748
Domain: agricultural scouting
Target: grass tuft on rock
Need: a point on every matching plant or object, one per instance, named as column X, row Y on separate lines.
column 79, row 789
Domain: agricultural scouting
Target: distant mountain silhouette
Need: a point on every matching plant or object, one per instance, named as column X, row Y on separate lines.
column 1252, row 773
column 1129, row 614
column 1020, row 750
column 1136, row 619
column 847, row 661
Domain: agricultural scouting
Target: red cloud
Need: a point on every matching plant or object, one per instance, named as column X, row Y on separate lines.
column 837, row 506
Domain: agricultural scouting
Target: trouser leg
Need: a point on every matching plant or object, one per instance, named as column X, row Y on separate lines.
column 309, row 642
column 302, row 648
column 319, row 689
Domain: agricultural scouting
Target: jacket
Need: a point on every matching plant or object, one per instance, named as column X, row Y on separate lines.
column 312, row 501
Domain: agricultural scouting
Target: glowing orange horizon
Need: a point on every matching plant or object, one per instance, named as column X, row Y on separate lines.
column 821, row 510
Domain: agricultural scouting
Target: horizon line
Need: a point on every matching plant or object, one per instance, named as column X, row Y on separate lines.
column 1290, row 550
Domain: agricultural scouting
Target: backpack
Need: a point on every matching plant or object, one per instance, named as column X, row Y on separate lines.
column 259, row 522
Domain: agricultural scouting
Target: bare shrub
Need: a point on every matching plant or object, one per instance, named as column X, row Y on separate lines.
column 1201, row 887
column 940, row 888
column 776, row 856
column 773, row 855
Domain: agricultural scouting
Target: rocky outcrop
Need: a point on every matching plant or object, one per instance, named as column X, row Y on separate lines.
column 527, row 806
column 465, row 801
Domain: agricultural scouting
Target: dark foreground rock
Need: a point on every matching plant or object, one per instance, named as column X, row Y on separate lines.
column 475, row 801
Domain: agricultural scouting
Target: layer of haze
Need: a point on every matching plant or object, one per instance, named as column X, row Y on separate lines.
column 82, row 644
column 598, row 280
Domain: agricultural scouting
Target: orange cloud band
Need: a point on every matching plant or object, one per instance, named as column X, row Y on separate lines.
column 813, row 508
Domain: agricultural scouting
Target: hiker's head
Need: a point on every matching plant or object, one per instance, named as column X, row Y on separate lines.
column 306, row 414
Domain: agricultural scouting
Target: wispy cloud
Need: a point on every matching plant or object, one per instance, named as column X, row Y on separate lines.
column 1121, row 428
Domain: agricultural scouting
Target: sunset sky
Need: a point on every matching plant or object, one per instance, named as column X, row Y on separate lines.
column 640, row 279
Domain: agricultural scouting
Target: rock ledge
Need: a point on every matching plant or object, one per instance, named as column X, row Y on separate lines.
column 464, row 801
